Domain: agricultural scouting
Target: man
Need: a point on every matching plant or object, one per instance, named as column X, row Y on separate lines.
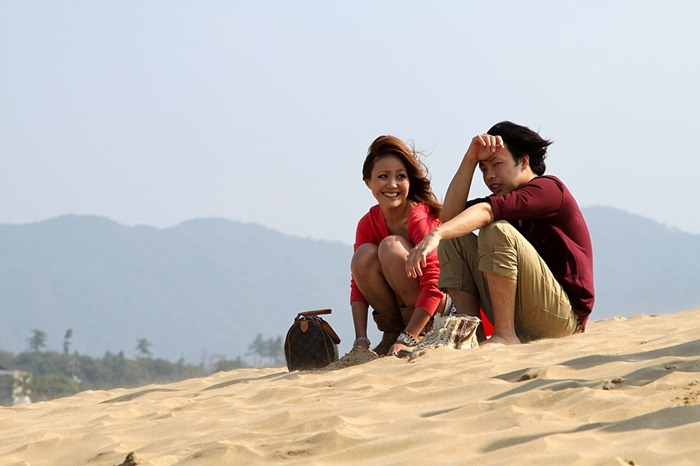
column 531, row 266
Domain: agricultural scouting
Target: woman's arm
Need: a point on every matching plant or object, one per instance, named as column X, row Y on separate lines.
column 418, row 320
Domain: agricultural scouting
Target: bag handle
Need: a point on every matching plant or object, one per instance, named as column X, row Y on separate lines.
column 325, row 325
column 331, row 333
column 315, row 313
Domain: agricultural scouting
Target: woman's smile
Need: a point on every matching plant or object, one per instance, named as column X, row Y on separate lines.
column 389, row 182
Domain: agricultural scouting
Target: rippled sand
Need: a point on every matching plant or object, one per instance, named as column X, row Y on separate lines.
column 625, row 392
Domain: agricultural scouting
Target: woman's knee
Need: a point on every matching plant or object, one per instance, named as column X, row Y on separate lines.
column 364, row 258
column 393, row 248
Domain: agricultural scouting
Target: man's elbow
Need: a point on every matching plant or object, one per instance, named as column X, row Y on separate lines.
column 487, row 213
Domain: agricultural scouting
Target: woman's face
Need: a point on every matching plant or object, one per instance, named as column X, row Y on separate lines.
column 389, row 182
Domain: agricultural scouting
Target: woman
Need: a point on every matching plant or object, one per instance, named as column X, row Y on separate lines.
column 406, row 211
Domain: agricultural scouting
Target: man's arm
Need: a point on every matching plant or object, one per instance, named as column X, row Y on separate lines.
column 458, row 190
column 475, row 217
column 481, row 148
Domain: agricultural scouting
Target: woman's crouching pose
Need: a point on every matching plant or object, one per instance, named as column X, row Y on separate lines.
column 406, row 211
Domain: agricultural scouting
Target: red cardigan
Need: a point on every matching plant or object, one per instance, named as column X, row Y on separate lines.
column 372, row 229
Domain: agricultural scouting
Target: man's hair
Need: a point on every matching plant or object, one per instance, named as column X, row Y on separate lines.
column 520, row 141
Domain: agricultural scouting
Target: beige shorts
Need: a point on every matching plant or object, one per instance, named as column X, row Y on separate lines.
column 542, row 308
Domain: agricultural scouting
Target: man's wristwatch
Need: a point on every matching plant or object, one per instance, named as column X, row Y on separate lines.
column 407, row 339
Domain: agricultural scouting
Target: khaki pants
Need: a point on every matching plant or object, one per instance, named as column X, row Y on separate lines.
column 542, row 308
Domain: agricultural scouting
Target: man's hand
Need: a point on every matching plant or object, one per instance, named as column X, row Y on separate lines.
column 418, row 256
column 484, row 146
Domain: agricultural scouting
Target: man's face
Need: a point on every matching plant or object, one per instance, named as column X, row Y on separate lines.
column 502, row 174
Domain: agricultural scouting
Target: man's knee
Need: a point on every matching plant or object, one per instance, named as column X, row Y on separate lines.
column 498, row 250
column 498, row 233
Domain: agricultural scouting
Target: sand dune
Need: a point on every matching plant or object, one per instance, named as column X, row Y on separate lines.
column 625, row 392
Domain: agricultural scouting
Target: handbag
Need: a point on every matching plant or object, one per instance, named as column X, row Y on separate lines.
column 311, row 342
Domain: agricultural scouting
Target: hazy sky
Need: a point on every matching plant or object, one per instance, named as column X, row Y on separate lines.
column 157, row 112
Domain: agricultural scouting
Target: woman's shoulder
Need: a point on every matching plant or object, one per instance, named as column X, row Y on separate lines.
column 373, row 219
column 421, row 209
column 421, row 212
column 374, row 214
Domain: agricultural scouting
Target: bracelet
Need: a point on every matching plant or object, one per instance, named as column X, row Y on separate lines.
column 359, row 339
column 407, row 339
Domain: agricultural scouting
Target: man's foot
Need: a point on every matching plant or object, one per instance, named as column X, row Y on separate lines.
column 496, row 341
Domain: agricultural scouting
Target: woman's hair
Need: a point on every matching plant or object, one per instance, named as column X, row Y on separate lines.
column 521, row 141
column 418, row 175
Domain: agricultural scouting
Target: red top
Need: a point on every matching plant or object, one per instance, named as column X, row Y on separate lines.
column 547, row 214
column 372, row 229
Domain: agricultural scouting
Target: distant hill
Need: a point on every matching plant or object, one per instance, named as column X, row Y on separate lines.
column 641, row 266
column 203, row 288
column 207, row 287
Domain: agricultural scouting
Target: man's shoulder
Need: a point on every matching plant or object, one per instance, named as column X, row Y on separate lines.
column 547, row 179
column 549, row 183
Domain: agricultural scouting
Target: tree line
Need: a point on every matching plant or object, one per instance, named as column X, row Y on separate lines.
column 54, row 374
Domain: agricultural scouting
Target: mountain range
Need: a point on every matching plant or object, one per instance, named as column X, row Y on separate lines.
column 206, row 288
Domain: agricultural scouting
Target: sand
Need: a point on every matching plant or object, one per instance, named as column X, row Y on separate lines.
column 624, row 393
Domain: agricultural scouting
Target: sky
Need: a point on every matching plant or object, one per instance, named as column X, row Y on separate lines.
column 158, row 112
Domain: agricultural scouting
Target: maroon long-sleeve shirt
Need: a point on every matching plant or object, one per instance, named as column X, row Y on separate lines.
column 547, row 214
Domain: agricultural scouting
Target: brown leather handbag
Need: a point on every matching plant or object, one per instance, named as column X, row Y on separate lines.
column 311, row 343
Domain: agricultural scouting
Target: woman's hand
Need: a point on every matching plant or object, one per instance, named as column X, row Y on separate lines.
column 418, row 256
column 395, row 348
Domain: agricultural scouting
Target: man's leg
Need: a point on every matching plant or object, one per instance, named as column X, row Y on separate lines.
column 526, row 296
column 503, row 291
column 464, row 303
column 460, row 277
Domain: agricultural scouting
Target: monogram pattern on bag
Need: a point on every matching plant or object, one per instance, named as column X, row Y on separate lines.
column 310, row 349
